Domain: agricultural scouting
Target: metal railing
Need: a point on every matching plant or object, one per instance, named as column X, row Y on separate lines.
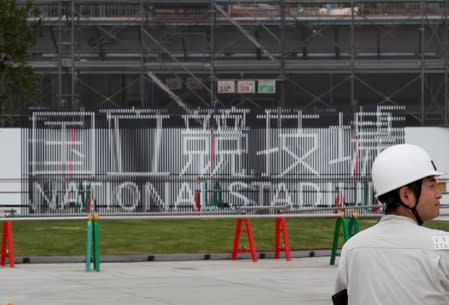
column 253, row 9
column 209, row 162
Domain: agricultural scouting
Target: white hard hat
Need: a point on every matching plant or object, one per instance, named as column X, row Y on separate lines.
column 400, row 165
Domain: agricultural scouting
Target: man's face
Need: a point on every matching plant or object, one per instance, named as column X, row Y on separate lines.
column 429, row 202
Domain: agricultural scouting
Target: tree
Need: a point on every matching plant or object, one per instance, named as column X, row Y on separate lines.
column 20, row 26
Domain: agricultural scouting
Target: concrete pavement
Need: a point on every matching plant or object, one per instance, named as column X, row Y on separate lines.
column 307, row 281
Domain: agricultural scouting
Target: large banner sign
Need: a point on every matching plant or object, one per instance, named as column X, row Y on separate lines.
column 142, row 160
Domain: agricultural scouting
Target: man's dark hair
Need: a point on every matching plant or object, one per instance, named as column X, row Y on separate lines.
column 392, row 200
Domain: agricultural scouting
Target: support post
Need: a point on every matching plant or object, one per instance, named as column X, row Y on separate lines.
column 88, row 244
column 93, row 242
column 96, row 245
column 7, row 244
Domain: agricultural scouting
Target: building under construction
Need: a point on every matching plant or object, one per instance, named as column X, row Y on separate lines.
column 310, row 55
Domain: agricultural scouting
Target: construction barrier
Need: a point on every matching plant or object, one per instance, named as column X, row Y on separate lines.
column 349, row 229
column 238, row 230
column 93, row 241
column 280, row 229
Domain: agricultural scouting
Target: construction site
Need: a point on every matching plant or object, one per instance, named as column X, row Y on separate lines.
column 217, row 110
column 216, row 106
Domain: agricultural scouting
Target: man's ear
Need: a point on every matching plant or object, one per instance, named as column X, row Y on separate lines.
column 407, row 196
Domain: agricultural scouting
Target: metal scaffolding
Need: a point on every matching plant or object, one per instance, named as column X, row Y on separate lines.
column 321, row 54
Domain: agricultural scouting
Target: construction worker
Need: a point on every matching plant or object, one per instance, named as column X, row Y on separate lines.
column 397, row 261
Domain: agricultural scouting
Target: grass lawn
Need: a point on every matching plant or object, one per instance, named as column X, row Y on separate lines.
column 122, row 237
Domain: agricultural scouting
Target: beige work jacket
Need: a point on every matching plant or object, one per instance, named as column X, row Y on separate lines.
column 395, row 262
